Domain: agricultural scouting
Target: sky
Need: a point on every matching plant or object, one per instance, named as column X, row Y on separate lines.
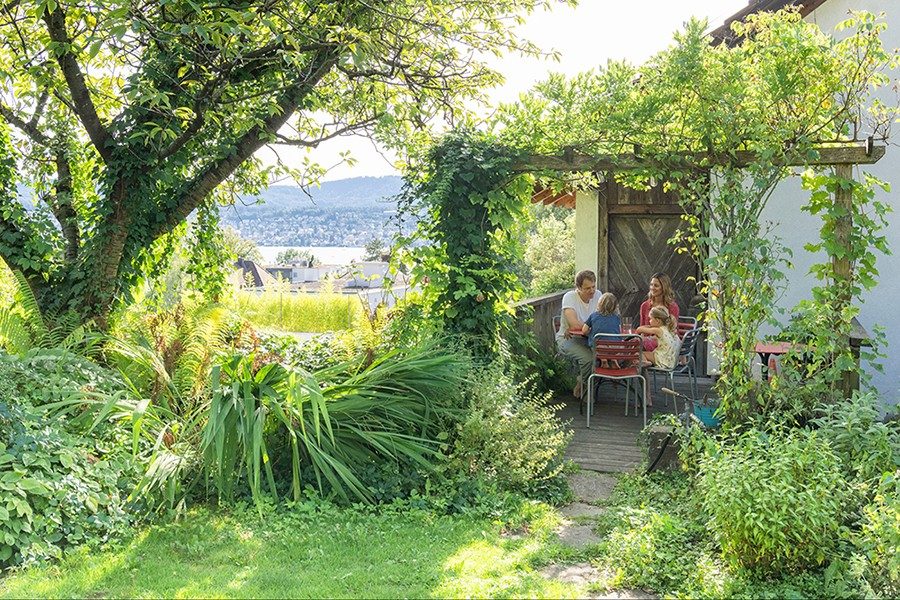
column 585, row 36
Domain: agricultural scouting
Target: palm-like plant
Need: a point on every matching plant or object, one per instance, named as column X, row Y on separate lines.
column 389, row 410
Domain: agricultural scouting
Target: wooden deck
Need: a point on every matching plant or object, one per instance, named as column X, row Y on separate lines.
column 610, row 445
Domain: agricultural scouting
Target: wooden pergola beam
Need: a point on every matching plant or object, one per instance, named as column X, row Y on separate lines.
column 827, row 155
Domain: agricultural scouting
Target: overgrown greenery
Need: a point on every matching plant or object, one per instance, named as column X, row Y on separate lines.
column 281, row 309
column 58, row 488
column 549, row 250
column 469, row 205
column 717, row 125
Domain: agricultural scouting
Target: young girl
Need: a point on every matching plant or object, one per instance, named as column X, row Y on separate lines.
column 660, row 293
column 605, row 319
column 663, row 326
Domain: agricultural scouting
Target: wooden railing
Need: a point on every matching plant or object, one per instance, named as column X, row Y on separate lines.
column 536, row 314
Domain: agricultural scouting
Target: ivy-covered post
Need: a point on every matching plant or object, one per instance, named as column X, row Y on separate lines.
column 840, row 253
column 471, row 203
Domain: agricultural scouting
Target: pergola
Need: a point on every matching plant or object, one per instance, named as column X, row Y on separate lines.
column 612, row 221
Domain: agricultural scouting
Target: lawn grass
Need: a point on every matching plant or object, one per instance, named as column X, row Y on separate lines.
column 337, row 553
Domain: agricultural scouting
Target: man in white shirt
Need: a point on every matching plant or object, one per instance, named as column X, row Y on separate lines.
column 577, row 306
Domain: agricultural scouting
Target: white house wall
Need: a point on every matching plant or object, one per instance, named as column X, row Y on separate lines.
column 587, row 234
column 797, row 228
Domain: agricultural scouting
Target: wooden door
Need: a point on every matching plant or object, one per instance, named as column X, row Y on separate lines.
column 638, row 248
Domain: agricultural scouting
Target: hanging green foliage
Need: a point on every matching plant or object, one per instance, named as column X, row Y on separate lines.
column 470, row 204
column 716, row 125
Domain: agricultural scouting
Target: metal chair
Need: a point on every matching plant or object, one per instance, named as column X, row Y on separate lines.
column 627, row 352
column 571, row 362
column 685, row 324
column 686, row 352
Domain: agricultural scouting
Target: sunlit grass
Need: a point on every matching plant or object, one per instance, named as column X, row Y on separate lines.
column 314, row 313
column 339, row 553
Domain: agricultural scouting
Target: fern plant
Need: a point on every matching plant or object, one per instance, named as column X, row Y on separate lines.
column 168, row 356
column 23, row 327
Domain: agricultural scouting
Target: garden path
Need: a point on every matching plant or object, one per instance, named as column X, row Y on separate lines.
column 576, row 530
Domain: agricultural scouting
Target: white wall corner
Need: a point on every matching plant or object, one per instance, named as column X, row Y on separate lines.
column 587, row 230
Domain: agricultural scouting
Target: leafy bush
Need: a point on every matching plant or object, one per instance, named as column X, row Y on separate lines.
column 57, row 488
column 776, row 501
column 509, row 435
column 321, row 352
column 867, row 447
column 315, row 313
column 879, row 539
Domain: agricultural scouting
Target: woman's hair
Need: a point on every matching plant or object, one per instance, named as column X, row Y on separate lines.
column 662, row 313
column 668, row 294
column 586, row 274
column 608, row 304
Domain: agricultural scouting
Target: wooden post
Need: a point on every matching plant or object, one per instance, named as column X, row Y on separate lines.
column 843, row 229
column 603, row 239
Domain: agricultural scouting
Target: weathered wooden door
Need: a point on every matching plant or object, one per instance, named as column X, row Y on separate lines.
column 638, row 226
column 638, row 248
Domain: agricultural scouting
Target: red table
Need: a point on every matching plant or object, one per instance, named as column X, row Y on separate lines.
column 769, row 349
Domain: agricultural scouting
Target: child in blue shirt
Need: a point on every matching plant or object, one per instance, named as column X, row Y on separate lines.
column 606, row 319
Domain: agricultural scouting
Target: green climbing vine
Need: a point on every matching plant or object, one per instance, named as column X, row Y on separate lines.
column 469, row 203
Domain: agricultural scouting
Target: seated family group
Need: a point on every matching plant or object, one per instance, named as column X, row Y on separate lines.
column 587, row 311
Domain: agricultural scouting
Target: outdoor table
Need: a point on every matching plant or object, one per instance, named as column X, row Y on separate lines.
column 769, row 349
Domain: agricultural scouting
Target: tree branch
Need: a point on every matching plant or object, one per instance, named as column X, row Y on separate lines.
column 82, row 103
column 39, row 109
column 280, row 139
column 205, row 182
column 27, row 127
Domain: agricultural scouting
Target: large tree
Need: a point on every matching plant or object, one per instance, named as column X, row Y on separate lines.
column 124, row 116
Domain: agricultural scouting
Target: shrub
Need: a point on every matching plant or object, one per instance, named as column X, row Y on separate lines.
column 321, row 352
column 867, row 447
column 879, row 539
column 509, row 435
column 57, row 488
column 776, row 501
column 269, row 428
column 549, row 255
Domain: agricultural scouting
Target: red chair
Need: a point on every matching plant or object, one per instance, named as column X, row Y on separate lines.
column 627, row 352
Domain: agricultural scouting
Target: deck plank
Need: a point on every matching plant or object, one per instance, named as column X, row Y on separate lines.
column 611, row 444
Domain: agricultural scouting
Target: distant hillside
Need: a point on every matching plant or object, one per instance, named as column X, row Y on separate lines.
column 347, row 212
column 356, row 191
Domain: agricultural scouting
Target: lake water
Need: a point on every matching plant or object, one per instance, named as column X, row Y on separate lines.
column 327, row 255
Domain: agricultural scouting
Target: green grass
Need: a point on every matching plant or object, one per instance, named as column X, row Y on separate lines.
column 338, row 553
column 313, row 313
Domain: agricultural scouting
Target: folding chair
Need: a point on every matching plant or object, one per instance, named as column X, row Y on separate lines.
column 689, row 367
column 627, row 352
